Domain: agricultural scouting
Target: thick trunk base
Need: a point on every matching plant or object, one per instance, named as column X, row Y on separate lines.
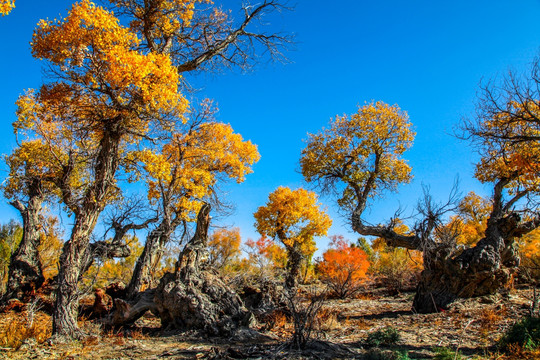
column 438, row 289
column 203, row 303
column 24, row 280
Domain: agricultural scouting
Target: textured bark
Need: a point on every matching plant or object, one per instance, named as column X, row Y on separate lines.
column 75, row 251
column 477, row 271
column 126, row 313
column 25, row 273
column 155, row 241
column 205, row 303
column 294, row 259
column 196, row 298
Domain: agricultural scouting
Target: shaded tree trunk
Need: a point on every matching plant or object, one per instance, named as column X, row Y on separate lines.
column 25, row 271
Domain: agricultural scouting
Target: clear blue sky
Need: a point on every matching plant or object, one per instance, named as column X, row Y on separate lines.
column 426, row 56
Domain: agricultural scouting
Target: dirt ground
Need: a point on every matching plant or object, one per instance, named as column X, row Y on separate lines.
column 473, row 326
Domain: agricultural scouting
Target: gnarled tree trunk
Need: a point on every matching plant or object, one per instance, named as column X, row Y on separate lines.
column 196, row 298
column 25, row 272
column 450, row 274
column 75, row 251
column 155, row 241
column 477, row 271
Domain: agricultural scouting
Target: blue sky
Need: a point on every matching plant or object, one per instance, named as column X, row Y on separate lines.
column 427, row 56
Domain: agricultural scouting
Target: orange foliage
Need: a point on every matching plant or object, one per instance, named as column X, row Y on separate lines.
column 224, row 247
column 343, row 267
column 264, row 251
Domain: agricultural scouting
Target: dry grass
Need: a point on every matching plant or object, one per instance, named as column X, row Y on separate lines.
column 473, row 327
column 16, row 328
column 327, row 319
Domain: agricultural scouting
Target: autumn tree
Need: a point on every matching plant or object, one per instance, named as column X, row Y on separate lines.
column 105, row 95
column 343, row 267
column 185, row 174
column 368, row 162
column 29, row 186
column 113, row 92
column 224, row 247
column 294, row 218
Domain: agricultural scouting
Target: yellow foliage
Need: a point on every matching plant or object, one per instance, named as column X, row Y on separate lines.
column 6, row 6
column 361, row 150
column 471, row 220
column 99, row 54
column 504, row 158
column 106, row 88
column 166, row 17
column 189, row 165
column 294, row 218
column 31, row 160
column 529, row 246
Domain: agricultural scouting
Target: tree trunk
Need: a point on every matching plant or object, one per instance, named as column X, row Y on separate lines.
column 75, row 250
column 477, row 271
column 142, row 272
column 25, row 272
column 196, row 298
column 293, row 268
column 72, row 261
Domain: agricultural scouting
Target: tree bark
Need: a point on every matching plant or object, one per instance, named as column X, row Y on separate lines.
column 293, row 267
column 25, row 271
column 450, row 274
column 477, row 271
column 155, row 241
column 196, row 298
column 74, row 252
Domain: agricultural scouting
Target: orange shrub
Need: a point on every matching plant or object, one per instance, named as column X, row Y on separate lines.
column 343, row 267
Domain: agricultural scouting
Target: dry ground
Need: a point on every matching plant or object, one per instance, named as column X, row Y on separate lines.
column 473, row 326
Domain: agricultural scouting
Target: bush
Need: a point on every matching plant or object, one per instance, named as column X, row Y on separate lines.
column 524, row 333
column 385, row 337
column 378, row 354
column 444, row 353
column 343, row 267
